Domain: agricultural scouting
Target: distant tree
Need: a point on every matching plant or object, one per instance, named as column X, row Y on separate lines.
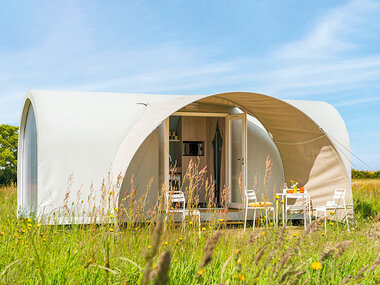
column 8, row 154
column 364, row 174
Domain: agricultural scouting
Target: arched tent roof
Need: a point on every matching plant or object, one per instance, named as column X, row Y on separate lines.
column 328, row 118
column 299, row 139
column 86, row 137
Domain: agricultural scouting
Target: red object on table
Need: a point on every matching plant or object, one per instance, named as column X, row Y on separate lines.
column 302, row 189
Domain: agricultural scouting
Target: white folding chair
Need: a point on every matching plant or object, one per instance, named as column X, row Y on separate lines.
column 252, row 204
column 338, row 203
column 179, row 198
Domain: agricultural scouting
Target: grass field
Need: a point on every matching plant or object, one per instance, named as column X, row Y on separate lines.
column 143, row 253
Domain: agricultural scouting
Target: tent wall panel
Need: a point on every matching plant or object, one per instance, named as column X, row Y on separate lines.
column 142, row 177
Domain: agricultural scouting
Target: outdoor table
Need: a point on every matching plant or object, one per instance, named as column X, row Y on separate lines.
column 285, row 196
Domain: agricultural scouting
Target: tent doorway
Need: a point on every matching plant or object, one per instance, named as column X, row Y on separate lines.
column 214, row 144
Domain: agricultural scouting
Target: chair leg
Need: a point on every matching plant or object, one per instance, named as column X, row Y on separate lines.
column 245, row 219
column 165, row 220
column 310, row 210
column 304, row 218
column 183, row 222
column 254, row 219
column 273, row 216
column 286, row 211
column 348, row 226
column 199, row 224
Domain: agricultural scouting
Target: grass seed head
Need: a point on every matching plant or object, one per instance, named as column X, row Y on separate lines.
column 160, row 274
column 209, row 249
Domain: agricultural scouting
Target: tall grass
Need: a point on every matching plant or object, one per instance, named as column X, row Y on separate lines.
column 366, row 196
column 144, row 253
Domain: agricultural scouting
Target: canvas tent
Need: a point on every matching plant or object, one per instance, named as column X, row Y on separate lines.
column 76, row 148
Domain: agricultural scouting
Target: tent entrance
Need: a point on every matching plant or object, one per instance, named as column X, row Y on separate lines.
column 206, row 157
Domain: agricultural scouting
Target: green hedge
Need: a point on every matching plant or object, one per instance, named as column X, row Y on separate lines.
column 364, row 174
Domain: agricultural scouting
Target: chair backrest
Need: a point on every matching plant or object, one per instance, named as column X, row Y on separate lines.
column 175, row 197
column 250, row 195
column 339, row 195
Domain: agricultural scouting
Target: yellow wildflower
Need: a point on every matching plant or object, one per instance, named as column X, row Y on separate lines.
column 38, row 225
column 279, row 259
column 180, row 238
column 202, row 272
column 240, row 277
column 203, row 229
column 153, row 266
column 294, row 234
column 271, row 224
column 331, row 224
column 175, row 260
column 323, row 234
column 238, row 261
column 29, row 220
column 149, row 246
column 221, row 220
column 282, row 201
column 29, row 225
column 110, row 229
column 332, row 212
column 111, row 216
column 190, row 222
column 116, row 209
column 165, row 243
column 43, row 239
column 90, row 261
column 316, row 265
column 263, row 233
column 277, row 197
column 111, row 192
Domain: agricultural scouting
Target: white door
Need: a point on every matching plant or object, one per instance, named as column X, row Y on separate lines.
column 237, row 158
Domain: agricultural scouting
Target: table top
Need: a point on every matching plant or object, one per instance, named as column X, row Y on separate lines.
column 293, row 195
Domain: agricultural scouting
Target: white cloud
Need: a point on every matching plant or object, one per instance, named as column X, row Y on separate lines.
column 329, row 35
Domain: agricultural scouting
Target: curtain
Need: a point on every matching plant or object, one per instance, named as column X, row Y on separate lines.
column 221, row 122
column 211, row 130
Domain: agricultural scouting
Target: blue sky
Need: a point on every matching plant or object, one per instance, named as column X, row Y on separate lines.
column 312, row 50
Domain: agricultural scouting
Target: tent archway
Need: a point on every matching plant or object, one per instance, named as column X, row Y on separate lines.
column 298, row 138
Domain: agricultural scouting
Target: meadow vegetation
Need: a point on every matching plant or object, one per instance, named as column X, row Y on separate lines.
column 146, row 253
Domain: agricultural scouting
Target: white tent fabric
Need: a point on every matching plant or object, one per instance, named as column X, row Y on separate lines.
column 85, row 140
